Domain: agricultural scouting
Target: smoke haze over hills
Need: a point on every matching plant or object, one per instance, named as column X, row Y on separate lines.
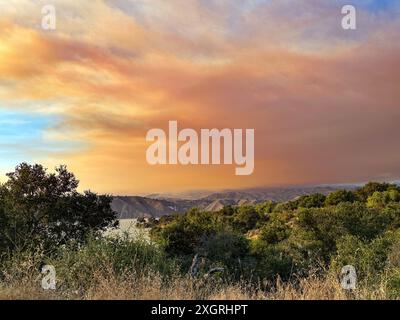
column 158, row 205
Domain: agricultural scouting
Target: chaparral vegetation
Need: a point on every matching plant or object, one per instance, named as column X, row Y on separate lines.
column 290, row 250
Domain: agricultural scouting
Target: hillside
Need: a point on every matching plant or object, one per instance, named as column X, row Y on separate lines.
column 130, row 207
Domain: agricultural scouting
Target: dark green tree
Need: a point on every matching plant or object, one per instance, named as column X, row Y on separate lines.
column 41, row 208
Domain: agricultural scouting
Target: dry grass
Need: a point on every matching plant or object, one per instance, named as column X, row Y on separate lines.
column 325, row 288
column 86, row 275
column 108, row 286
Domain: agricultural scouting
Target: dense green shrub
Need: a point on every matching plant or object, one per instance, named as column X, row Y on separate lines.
column 370, row 188
column 227, row 250
column 370, row 258
column 316, row 200
column 246, row 218
column 120, row 256
column 271, row 261
column 265, row 208
column 340, row 196
column 381, row 199
column 275, row 230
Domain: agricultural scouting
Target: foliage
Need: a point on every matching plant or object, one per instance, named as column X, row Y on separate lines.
column 381, row 199
column 44, row 219
column 40, row 208
column 316, row 200
column 293, row 237
column 246, row 218
column 370, row 188
column 340, row 196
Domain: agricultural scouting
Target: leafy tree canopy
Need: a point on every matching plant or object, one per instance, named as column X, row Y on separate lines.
column 42, row 208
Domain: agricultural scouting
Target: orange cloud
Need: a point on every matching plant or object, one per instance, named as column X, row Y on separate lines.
column 323, row 112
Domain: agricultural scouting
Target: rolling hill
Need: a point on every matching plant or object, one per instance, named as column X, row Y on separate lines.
column 131, row 207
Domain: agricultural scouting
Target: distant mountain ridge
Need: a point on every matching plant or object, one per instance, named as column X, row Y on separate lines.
column 131, row 207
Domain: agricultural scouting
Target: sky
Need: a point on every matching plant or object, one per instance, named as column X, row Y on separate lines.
column 324, row 101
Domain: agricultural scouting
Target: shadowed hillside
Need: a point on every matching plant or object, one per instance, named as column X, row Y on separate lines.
column 131, row 207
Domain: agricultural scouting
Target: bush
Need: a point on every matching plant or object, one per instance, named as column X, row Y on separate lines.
column 275, row 230
column 226, row 249
column 316, row 200
column 381, row 199
column 368, row 257
column 246, row 218
column 370, row 188
column 122, row 257
column 340, row 196
column 265, row 208
column 183, row 234
column 330, row 224
column 271, row 262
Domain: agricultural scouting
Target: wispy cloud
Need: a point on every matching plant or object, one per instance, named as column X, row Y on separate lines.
column 323, row 101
